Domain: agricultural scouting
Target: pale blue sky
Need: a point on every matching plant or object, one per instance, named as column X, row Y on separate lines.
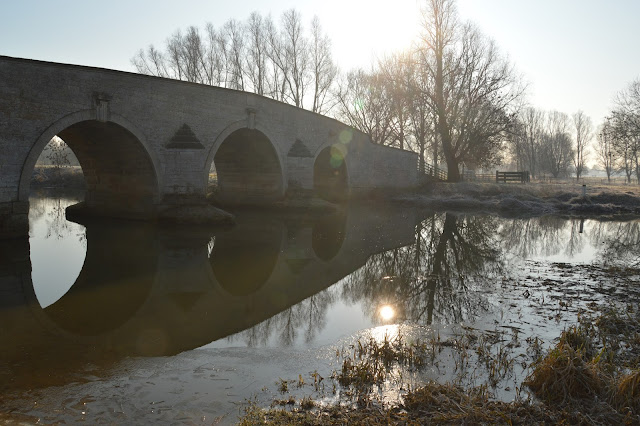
column 575, row 54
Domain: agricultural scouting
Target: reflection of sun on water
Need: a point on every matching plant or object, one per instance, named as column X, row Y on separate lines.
column 385, row 332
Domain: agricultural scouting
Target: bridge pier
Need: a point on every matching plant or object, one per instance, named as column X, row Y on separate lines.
column 14, row 219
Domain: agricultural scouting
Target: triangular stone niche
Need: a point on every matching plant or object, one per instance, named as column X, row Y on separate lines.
column 184, row 138
column 298, row 149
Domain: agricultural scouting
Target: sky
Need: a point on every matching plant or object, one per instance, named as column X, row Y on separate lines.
column 572, row 54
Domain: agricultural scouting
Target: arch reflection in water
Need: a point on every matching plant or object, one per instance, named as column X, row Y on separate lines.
column 328, row 236
column 243, row 259
column 153, row 291
column 157, row 291
column 58, row 247
column 114, row 283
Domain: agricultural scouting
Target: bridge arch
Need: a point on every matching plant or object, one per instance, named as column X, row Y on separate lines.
column 249, row 165
column 121, row 170
column 331, row 173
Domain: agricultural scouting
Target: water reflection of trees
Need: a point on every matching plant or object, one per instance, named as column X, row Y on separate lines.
column 307, row 317
column 52, row 209
column 527, row 237
column 432, row 279
column 620, row 242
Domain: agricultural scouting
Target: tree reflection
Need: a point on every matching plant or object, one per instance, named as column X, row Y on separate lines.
column 52, row 211
column 308, row 317
column 546, row 236
column 620, row 243
column 431, row 280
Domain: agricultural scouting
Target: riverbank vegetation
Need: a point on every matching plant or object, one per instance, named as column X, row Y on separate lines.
column 590, row 376
column 531, row 199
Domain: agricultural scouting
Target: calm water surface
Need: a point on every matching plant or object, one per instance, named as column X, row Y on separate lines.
column 121, row 321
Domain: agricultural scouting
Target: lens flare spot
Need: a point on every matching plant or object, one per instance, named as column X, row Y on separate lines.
column 338, row 153
column 387, row 312
column 345, row 136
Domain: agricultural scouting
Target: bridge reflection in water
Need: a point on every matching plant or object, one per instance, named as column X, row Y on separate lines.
column 148, row 291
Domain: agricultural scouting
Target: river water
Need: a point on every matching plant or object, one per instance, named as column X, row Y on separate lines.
column 124, row 322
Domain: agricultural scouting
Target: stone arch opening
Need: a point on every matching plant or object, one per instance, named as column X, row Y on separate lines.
column 119, row 172
column 247, row 168
column 58, row 167
column 330, row 179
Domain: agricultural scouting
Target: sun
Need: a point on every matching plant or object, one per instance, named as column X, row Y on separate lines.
column 387, row 312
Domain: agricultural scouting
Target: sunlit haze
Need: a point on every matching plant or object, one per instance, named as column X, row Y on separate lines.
column 573, row 54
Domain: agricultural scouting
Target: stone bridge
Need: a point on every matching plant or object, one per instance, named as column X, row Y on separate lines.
column 146, row 143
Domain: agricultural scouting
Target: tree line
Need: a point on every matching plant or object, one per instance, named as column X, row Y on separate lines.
column 453, row 97
column 618, row 138
column 282, row 61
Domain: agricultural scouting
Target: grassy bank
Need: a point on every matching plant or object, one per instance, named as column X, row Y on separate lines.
column 529, row 199
column 54, row 177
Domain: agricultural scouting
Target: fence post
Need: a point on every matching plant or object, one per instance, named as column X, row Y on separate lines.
column 496, row 176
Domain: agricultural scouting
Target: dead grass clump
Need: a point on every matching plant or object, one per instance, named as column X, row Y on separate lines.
column 449, row 404
column 371, row 360
column 579, row 339
column 361, row 375
column 564, row 374
column 627, row 393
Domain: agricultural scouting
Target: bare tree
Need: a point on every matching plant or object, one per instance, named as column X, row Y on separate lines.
column 532, row 121
column 584, row 128
column 151, row 62
column 422, row 117
column 174, row 56
column 234, row 33
column 557, row 152
column 604, row 148
column 295, row 55
column 257, row 53
column 282, row 63
column 474, row 87
column 625, row 120
column 279, row 67
column 323, row 69
column 396, row 72
column 363, row 103
column 192, row 54
column 213, row 59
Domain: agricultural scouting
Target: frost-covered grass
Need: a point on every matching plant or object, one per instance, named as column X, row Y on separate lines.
column 529, row 199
